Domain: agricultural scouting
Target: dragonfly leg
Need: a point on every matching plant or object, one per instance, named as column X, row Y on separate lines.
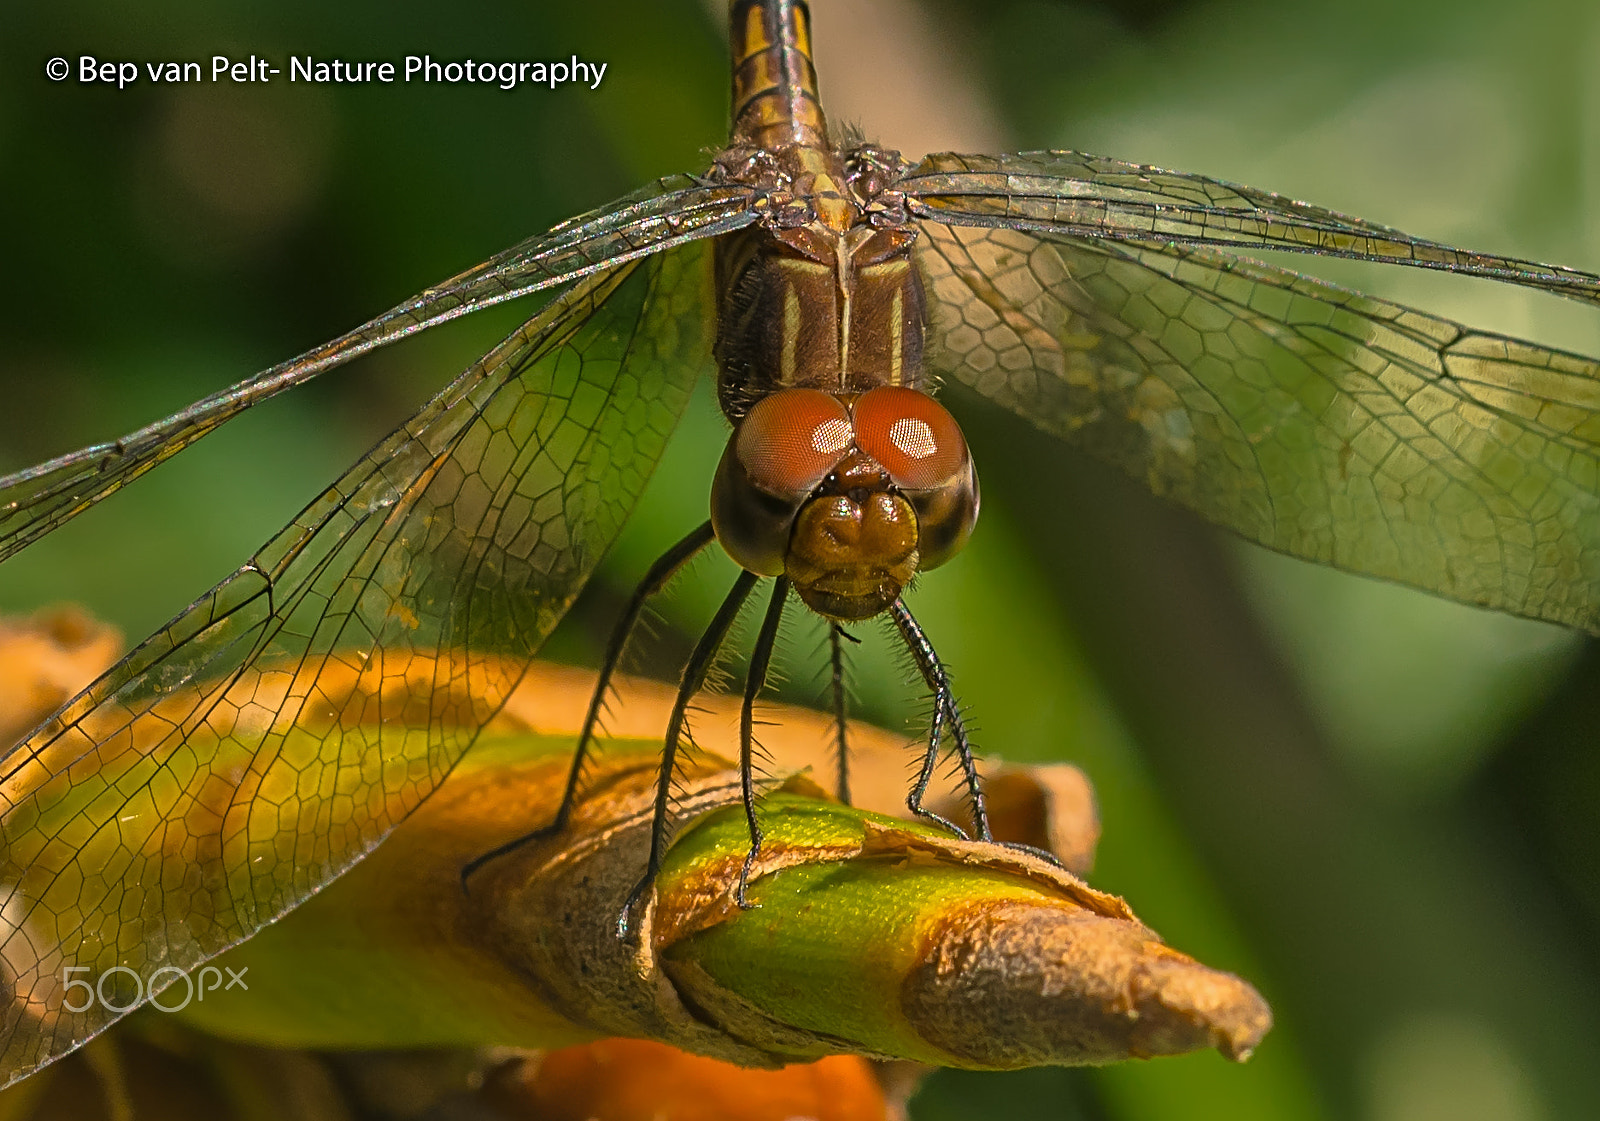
column 836, row 638
column 694, row 675
column 665, row 568
column 980, row 811
column 969, row 768
column 760, row 661
column 945, row 712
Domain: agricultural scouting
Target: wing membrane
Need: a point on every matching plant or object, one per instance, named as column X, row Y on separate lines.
column 274, row 732
column 1070, row 193
column 669, row 212
column 1323, row 423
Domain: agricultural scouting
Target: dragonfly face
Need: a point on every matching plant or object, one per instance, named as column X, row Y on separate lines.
column 848, row 495
column 1099, row 300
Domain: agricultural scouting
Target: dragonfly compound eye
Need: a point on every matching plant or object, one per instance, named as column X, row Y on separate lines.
column 781, row 452
column 913, row 436
column 920, row 445
column 790, row 440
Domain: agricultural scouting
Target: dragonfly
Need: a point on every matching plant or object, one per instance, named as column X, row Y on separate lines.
column 1104, row 302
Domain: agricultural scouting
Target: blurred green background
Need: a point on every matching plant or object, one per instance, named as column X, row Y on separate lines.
column 1378, row 807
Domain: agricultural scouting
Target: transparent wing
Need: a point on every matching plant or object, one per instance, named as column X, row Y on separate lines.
column 1323, row 423
column 669, row 212
column 274, row 732
column 1095, row 197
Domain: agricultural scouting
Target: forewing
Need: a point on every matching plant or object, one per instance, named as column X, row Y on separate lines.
column 273, row 733
column 1327, row 424
column 1070, row 193
column 669, row 212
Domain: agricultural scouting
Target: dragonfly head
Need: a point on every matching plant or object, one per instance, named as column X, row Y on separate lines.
column 849, row 495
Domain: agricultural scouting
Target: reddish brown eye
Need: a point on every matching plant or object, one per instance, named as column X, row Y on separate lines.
column 911, row 434
column 790, row 440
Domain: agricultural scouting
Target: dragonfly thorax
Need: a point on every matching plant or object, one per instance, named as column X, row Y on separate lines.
column 849, row 495
column 812, row 307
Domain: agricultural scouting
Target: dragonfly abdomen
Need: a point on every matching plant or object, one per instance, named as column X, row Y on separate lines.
column 775, row 102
